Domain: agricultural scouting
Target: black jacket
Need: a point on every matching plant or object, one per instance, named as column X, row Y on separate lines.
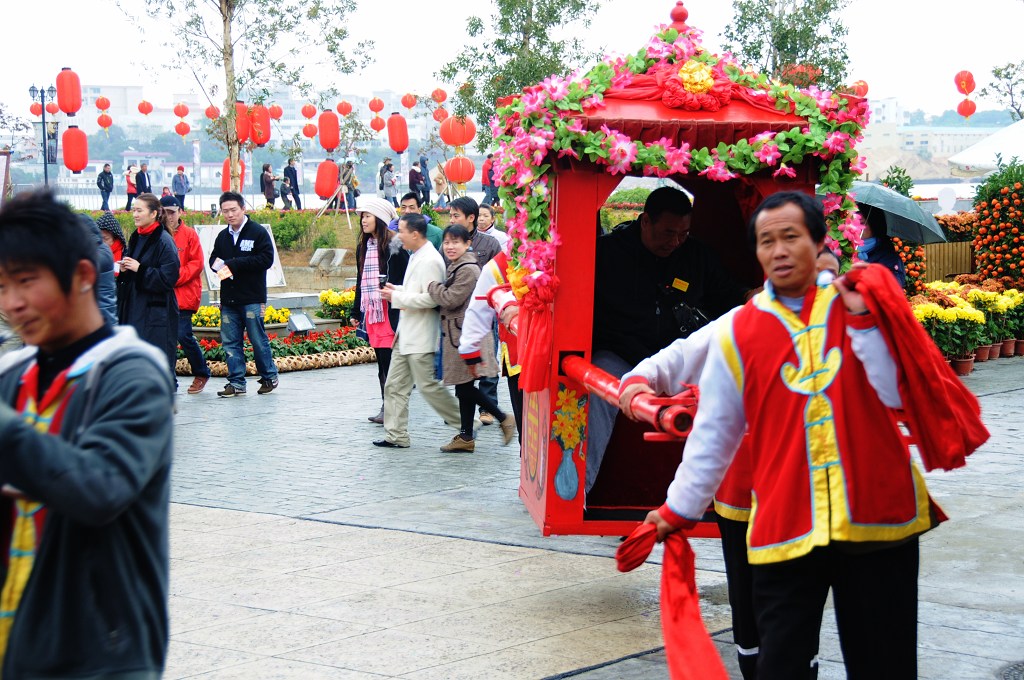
column 145, row 299
column 106, row 283
column 142, row 183
column 293, row 176
column 95, row 604
column 395, row 264
column 105, row 181
column 637, row 294
column 248, row 261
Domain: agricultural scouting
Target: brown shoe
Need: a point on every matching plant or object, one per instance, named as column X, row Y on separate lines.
column 459, row 444
column 198, row 383
column 508, row 429
column 486, row 418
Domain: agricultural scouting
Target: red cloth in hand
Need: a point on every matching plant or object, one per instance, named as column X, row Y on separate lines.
column 690, row 653
column 944, row 416
column 535, row 335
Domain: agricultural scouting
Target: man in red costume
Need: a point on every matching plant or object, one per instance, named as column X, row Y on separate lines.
column 837, row 502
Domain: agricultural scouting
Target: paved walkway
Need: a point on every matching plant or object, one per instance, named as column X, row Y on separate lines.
column 301, row 551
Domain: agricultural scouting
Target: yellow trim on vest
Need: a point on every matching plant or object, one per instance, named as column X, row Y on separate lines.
column 731, row 353
column 732, row 512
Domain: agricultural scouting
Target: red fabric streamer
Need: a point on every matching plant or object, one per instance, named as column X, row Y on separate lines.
column 944, row 416
column 690, row 653
column 535, row 335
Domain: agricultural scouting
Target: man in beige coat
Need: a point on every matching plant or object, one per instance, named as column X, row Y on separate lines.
column 416, row 340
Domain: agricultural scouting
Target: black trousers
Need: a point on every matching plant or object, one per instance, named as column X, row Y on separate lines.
column 875, row 598
column 383, row 364
column 516, row 397
column 741, row 595
column 470, row 396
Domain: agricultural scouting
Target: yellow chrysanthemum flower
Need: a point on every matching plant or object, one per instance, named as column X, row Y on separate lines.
column 697, row 77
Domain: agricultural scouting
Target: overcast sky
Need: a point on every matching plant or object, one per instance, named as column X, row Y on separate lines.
column 908, row 49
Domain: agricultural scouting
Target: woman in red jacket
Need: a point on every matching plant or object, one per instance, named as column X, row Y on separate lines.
column 188, row 290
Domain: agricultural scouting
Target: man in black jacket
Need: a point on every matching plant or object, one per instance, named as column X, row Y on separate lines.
column 85, row 431
column 241, row 256
column 142, row 183
column 292, row 176
column 105, row 182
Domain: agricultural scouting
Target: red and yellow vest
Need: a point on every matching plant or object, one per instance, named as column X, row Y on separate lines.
column 509, row 345
column 828, row 461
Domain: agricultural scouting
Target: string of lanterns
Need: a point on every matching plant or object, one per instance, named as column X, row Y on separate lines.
column 965, row 85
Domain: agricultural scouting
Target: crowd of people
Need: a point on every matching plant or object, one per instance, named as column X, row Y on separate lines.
column 788, row 373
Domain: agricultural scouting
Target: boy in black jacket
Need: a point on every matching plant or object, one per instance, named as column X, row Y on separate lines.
column 85, row 431
column 241, row 256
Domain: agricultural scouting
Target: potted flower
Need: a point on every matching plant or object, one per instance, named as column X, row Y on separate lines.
column 335, row 308
column 955, row 330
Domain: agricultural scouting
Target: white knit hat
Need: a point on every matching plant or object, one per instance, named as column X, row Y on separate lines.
column 378, row 207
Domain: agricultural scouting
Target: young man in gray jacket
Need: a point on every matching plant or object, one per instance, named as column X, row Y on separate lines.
column 85, row 431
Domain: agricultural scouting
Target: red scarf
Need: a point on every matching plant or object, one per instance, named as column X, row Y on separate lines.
column 943, row 415
column 147, row 230
column 689, row 651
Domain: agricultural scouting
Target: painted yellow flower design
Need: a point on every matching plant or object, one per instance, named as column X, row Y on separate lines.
column 570, row 419
column 696, row 76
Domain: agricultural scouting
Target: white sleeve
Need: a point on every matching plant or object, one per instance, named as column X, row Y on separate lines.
column 870, row 347
column 681, row 362
column 479, row 315
column 717, row 431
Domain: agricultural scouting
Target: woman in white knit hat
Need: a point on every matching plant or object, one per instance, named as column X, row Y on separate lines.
column 380, row 259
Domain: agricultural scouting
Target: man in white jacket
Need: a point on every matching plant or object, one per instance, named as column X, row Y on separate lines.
column 416, row 340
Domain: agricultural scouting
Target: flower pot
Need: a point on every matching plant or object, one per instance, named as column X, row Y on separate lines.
column 963, row 366
column 1020, row 347
column 1008, row 347
column 981, row 353
column 994, row 350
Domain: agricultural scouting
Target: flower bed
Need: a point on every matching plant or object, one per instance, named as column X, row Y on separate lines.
column 336, row 304
column 294, row 352
column 209, row 317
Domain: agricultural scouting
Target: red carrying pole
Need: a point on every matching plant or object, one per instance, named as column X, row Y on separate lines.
column 671, row 416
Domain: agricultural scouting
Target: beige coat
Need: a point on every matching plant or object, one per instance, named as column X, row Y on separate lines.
column 454, row 295
column 418, row 323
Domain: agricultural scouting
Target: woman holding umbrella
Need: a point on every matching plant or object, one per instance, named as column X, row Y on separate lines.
column 877, row 247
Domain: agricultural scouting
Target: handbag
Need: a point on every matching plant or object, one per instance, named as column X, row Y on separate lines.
column 357, row 193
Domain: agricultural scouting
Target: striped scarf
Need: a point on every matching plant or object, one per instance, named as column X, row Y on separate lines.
column 371, row 303
column 45, row 415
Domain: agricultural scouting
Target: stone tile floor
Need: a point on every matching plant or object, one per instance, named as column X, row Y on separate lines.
column 301, row 551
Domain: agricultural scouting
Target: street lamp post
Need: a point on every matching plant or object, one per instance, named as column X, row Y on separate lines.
column 51, row 94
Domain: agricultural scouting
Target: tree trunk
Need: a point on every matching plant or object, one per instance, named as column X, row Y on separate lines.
column 227, row 10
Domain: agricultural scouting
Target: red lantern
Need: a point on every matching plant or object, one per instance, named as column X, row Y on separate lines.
column 212, row 112
column 51, row 108
column 309, row 130
column 105, row 121
column 398, row 133
column 376, row 104
column 330, row 134
column 344, row 108
column 440, row 114
column 860, row 88
column 326, row 179
column 76, row 149
column 409, row 100
column 275, row 111
column 966, row 108
column 377, row 123
column 439, row 96
column 36, row 109
column 964, row 82
column 225, row 175
column 308, row 111
column 102, row 103
column 183, row 128
column 180, row 110
column 457, row 131
column 459, row 170
column 242, row 122
column 259, row 124
column 69, row 91
column 145, row 108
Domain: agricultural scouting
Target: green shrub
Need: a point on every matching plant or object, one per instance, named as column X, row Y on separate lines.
column 325, row 238
column 634, row 195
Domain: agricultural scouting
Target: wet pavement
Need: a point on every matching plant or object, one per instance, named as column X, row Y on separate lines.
column 299, row 550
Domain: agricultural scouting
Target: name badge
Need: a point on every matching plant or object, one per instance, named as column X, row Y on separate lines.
column 679, row 284
column 247, row 243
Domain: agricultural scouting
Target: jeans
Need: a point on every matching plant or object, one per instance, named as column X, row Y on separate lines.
column 181, row 200
column 106, row 197
column 248, row 319
column 190, row 346
column 128, row 206
column 297, row 197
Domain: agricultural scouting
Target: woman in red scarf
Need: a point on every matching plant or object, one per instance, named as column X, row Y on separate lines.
column 149, row 272
column 380, row 258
